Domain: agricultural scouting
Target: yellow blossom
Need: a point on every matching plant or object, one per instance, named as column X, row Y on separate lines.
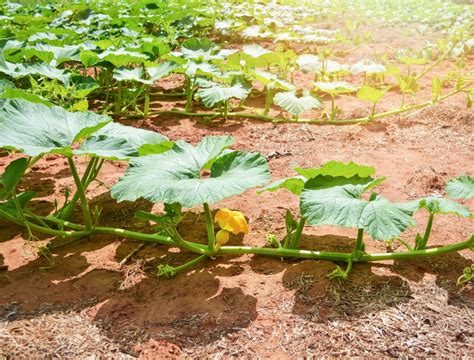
column 232, row 221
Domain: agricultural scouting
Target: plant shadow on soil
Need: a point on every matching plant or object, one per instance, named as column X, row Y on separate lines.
column 197, row 306
column 319, row 299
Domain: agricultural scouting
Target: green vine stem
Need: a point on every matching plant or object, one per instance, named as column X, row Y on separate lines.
column 268, row 100
column 169, row 271
column 262, row 117
column 82, row 195
column 295, row 239
column 65, row 212
column 118, row 99
column 359, row 246
column 211, row 236
column 146, row 106
column 427, row 233
column 42, row 229
column 227, row 250
column 438, row 61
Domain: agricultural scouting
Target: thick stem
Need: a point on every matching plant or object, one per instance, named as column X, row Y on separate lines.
column 268, row 100
column 146, row 106
column 66, row 211
column 427, row 234
column 118, row 99
column 211, row 237
column 333, row 256
column 333, row 108
column 295, row 239
column 359, row 246
column 189, row 93
column 108, row 76
column 373, row 111
column 82, row 195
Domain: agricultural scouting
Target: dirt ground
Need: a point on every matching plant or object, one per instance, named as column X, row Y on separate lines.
column 86, row 305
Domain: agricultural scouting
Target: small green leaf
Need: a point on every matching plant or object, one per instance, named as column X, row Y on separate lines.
column 10, row 206
column 369, row 67
column 335, row 87
column 309, row 63
column 296, row 105
column 272, row 81
column 12, row 176
column 408, row 84
column 217, row 93
column 132, row 74
column 294, row 184
column 369, row 93
column 439, row 205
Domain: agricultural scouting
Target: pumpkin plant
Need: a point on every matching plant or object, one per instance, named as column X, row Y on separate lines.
column 332, row 195
column 194, row 175
column 37, row 130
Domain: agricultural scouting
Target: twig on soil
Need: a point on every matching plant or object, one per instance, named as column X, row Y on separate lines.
column 134, row 251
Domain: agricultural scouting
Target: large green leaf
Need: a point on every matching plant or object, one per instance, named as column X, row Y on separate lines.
column 47, row 53
column 369, row 93
column 10, row 93
column 175, row 176
column 337, row 168
column 36, row 129
column 121, row 57
column 17, row 71
column 255, row 51
column 309, row 63
column 133, row 74
column 203, row 49
column 296, row 105
column 272, row 81
column 334, row 200
column 461, row 187
column 333, row 168
column 217, row 93
column 119, row 142
column 369, row 67
column 384, row 220
column 328, row 200
column 162, row 70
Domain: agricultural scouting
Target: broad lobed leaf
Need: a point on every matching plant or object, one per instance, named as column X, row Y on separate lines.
column 175, row 176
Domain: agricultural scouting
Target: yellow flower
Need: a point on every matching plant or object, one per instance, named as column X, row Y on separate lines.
column 222, row 237
column 232, row 221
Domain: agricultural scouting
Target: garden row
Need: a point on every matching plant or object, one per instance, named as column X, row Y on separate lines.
column 180, row 175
